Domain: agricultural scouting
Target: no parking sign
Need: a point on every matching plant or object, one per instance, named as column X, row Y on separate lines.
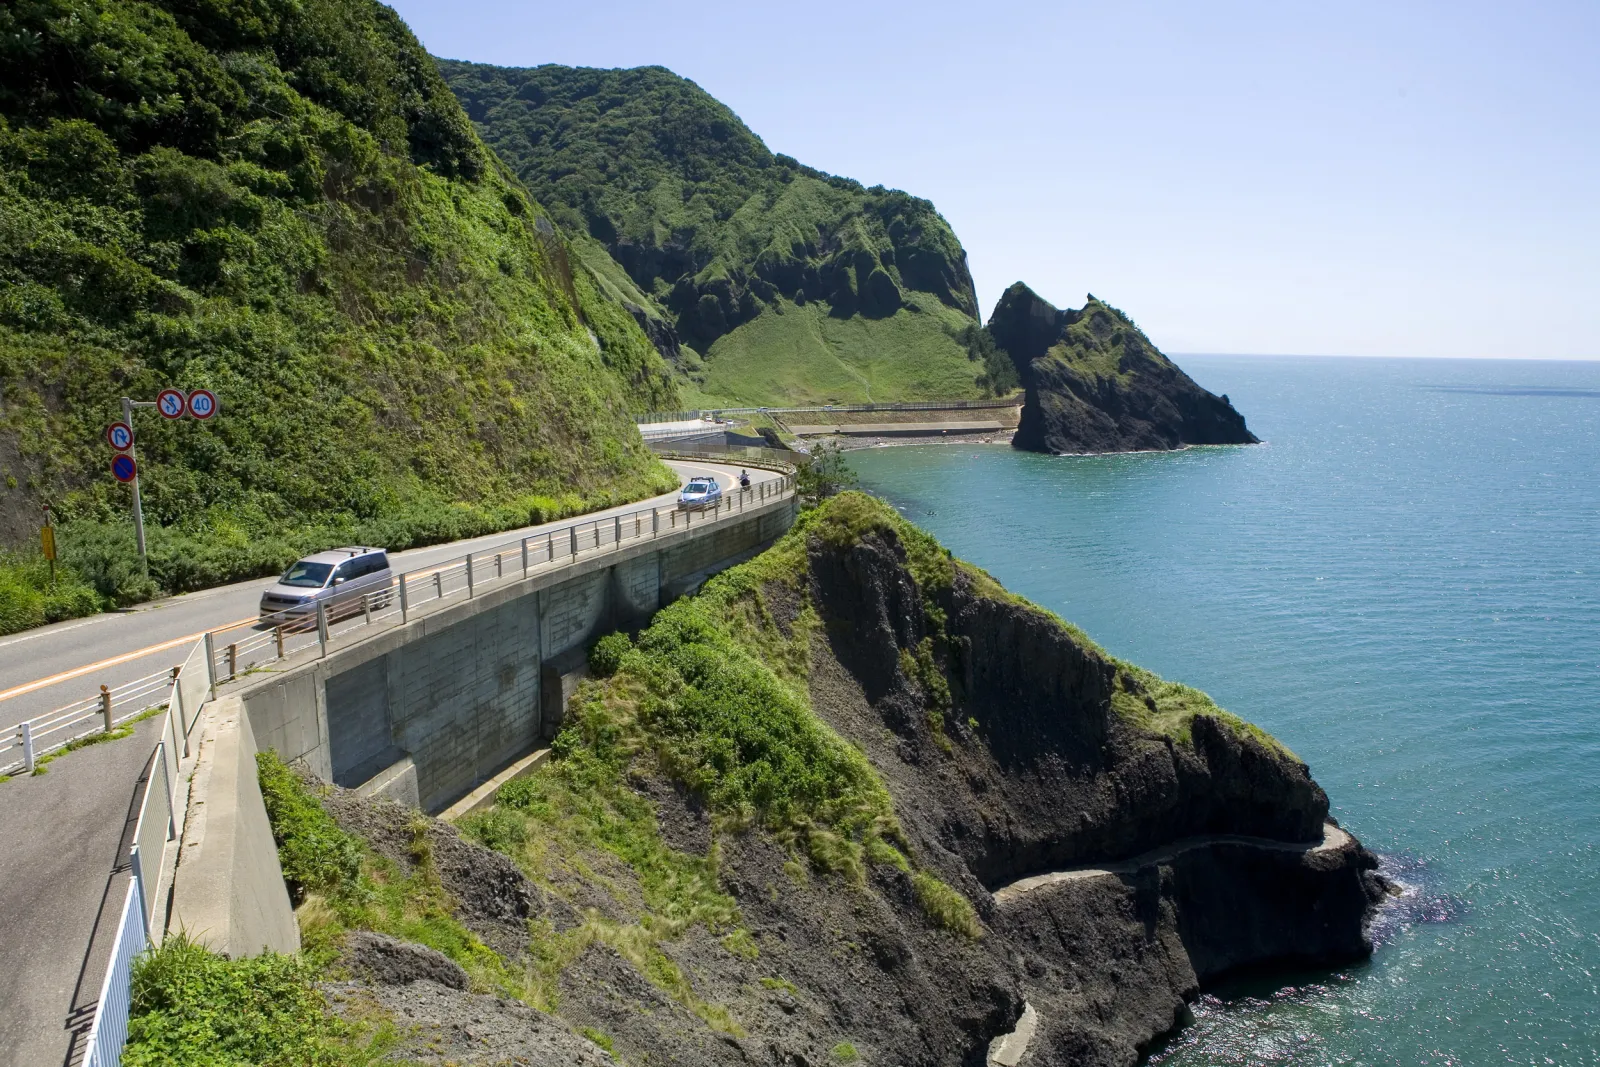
column 123, row 468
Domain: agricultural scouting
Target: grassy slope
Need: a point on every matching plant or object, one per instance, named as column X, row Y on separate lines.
column 719, row 232
column 806, row 355
column 284, row 203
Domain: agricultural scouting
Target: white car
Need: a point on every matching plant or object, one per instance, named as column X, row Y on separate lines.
column 337, row 578
column 700, row 493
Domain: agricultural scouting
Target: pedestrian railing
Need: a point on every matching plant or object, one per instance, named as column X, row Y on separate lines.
column 112, row 708
column 141, row 913
column 109, row 1031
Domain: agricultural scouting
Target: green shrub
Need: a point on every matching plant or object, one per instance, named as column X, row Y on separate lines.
column 28, row 598
column 606, row 654
column 845, row 1052
column 946, row 907
column 316, row 855
column 499, row 828
column 193, row 1008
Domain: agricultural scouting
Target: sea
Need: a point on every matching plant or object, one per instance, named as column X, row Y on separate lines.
column 1403, row 585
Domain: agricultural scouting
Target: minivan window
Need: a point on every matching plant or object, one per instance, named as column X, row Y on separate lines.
column 307, row 574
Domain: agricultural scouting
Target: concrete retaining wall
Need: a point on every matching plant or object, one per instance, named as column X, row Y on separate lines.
column 454, row 696
column 228, row 890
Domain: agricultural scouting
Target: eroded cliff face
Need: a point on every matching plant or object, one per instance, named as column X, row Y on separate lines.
column 1134, row 842
column 1118, row 840
column 1095, row 383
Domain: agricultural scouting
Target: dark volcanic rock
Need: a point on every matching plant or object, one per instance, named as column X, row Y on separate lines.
column 1095, row 383
column 439, row 1026
column 1180, row 859
column 660, row 331
column 385, row 960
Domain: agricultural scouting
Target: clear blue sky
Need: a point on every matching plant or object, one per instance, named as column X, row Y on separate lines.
column 1360, row 178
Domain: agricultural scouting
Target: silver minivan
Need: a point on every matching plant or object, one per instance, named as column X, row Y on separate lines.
column 338, row 578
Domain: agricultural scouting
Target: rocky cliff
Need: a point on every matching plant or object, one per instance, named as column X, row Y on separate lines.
column 853, row 801
column 1095, row 383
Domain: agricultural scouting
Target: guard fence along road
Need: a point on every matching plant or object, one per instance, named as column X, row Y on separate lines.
column 224, row 654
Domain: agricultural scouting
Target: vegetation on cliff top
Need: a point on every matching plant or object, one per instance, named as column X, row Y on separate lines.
column 282, row 202
column 784, row 283
column 1096, row 383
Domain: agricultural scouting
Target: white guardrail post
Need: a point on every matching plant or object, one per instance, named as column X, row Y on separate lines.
column 469, row 575
column 524, row 557
column 322, row 625
column 405, row 608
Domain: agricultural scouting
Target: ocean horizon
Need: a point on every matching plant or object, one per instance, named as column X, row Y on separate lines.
column 1402, row 585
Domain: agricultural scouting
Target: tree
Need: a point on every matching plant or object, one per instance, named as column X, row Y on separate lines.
column 825, row 474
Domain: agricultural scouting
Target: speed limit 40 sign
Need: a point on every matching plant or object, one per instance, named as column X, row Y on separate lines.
column 202, row 403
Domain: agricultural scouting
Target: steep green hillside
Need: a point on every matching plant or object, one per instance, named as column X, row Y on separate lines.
column 724, row 236
column 280, row 200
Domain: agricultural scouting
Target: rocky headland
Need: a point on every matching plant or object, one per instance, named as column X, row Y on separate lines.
column 1095, row 383
column 853, row 801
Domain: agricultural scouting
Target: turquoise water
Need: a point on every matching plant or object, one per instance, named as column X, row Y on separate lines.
column 1403, row 585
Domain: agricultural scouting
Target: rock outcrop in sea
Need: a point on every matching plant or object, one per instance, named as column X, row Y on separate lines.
column 1095, row 383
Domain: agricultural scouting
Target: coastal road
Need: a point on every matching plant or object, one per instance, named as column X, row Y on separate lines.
column 52, row 666
column 64, row 869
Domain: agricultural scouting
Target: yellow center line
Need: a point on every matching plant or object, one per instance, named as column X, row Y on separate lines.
column 126, row 657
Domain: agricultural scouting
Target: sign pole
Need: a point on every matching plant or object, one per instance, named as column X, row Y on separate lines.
column 138, row 507
column 47, row 537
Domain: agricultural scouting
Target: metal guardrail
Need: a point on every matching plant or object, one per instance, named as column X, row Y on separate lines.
column 224, row 654
column 256, row 645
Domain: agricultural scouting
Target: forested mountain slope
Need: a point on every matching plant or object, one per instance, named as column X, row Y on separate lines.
column 779, row 283
column 281, row 201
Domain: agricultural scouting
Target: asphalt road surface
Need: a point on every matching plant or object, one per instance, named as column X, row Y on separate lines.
column 52, row 666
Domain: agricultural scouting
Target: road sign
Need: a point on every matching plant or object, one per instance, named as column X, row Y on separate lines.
column 171, row 404
column 119, row 435
column 47, row 541
column 202, row 403
column 123, row 468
